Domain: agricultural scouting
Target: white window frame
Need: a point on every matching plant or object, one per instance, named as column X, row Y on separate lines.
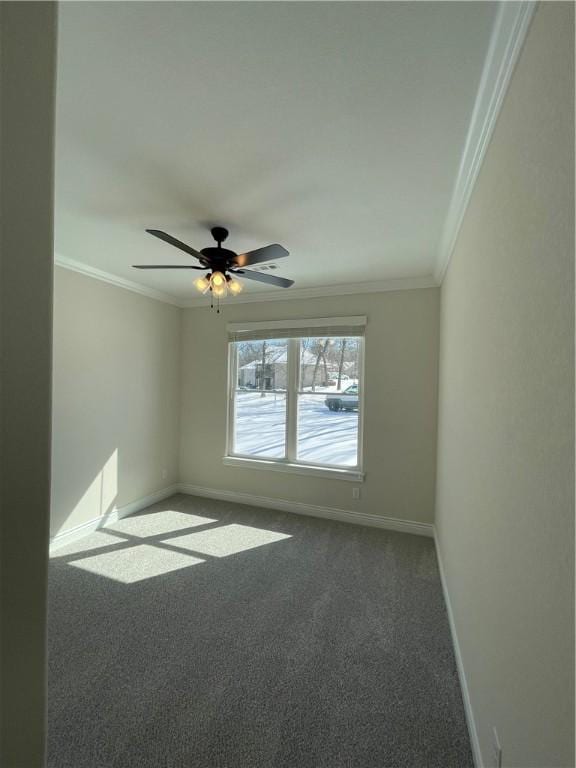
column 290, row 463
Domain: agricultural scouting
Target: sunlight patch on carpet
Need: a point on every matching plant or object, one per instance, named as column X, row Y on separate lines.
column 135, row 563
column 157, row 523
column 227, row 540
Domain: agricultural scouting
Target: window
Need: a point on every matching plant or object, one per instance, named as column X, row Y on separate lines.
column 260, row 398
column 295, row 400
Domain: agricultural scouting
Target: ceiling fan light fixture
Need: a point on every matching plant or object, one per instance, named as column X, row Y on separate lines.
column 220, row 290
column 217, row 262
column 217, row 280
column 202, row 284
column 235, row 287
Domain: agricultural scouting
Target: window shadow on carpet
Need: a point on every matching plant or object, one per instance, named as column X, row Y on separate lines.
column 152, row 544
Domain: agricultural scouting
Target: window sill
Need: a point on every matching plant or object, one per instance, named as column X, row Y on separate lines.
column 334, row 473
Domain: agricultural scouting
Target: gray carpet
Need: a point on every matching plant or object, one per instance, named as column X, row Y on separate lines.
column 202, row 633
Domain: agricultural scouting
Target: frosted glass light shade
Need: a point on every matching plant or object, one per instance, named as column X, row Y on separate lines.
column 219, row 290
column 217, row 279
column 235, row 287
column 202, row 284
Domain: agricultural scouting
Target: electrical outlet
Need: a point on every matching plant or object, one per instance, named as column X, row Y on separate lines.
column 164, row 474
column 496, row 749
column 355, row 493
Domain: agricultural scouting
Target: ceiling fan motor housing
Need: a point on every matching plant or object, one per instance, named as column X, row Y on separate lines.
column 219, row 258
column 219, row 234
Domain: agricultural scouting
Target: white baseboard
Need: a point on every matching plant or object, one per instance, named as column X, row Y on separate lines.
column 470, row 719
column 298, row 508
column 330, row 513
column 115, row 514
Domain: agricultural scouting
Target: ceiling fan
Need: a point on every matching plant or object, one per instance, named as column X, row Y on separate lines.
column 222, row 264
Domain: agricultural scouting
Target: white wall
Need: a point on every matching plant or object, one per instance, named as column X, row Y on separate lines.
column 27, row 85
column 116, row 398
column 400, row 404
column 505, row 498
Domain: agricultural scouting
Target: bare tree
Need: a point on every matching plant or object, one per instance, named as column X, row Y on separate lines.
column 343, row 343
column 320, row 355
column 324, row 360
column 304, row 356
column 263, row 370
column 248, row 351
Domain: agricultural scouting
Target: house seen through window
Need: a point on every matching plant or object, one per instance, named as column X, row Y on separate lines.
column 297, row 400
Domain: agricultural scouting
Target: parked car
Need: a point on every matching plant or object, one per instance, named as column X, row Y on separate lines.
column 333, row 382
column 343, row 401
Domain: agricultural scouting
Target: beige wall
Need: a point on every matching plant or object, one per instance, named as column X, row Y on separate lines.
column 400, row 404
column 505, row 498
column 116, row 398
column 27, row 85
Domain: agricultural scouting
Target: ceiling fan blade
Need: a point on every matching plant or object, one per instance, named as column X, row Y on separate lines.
column 260, row 277
column 167, row 266
column 176, row 243
column 267, row 253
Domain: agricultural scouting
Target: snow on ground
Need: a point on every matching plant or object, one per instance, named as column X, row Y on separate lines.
column 332, row 387
column 324, row 436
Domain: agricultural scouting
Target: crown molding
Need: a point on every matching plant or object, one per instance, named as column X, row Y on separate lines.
column 399, row 284
column 508, row 35
column 293, row 294
column 119, row 282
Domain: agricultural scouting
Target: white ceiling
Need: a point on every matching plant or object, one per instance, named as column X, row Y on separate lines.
column 333, row 128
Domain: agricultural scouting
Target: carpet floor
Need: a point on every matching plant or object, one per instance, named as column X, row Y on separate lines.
column 201, row 633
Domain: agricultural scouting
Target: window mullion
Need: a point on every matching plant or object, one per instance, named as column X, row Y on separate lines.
column 232, row 383
column 291, row 399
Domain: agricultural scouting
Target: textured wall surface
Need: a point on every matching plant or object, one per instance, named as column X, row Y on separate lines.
column 27, row 89
column 505, row 492
column 401, row 356
column 116, row 398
